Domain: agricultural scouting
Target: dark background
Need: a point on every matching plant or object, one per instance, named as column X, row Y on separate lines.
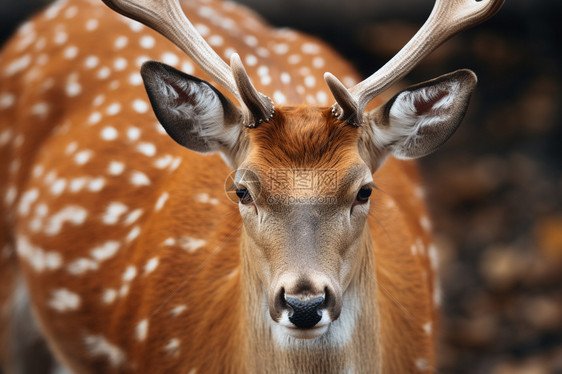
column 494, row 190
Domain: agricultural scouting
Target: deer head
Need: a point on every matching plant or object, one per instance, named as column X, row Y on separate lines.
column 303, row 243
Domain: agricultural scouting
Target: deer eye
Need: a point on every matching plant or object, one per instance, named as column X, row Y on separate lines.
column 363, row 195
column 244, row 195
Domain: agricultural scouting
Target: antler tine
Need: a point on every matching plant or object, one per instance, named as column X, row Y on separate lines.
column 447, row 18
column 168, row 18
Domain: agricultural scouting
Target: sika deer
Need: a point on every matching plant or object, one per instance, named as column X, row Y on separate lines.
column 123, row 243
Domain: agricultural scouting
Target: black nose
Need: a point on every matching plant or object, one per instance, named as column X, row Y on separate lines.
column 305, row 314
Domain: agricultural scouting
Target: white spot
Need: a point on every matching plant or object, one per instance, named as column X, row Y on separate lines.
column 61, row 37
column 151, row 265
column 175, row 164
column 141, row 331
column 294, row 59
column 216, row 40
column 109, row 133
column 263, row 52
column 18, row 65
column 285, row 78
column 37, row 171
column 163, row 162
column 58, row 187
column 141, row 60
column 414, row 249
column 109, row 296
column 425, row 223
column 279, row 97
column 147, row 42
column 427, row 328
column 135, row 79
column 318, row 62
column 161, row 201
column 419, row 192
column 92, row 24
column 420, row 246
column 422, row 364
column 176, row 311
column 310, row 81
column 134, row 25
column 64, row 300
column 173, row 347
column 114, row 85
column 7, row 100
column 77, row 184
column 187, row 67
column 265, row 80
column 190, row 244
column 202, row 29
column 228, row 52
column 310, row 48
column 28, row 198
column 73, row 89
column 121, row 42
column 205, row 198
column 115, row 168
column 98, row 346
column 133, row 133
column 140, row 106
column 322, row 97
column 251, row 60
column 73, row 215
column 71, row 52
column 120, row 64
column 349, row 81
column 170, row 58
column 113, row 109
column 39, row 259
column 94, row 118
column 71, row 12
column 133, row 216
column 433, row 256
column 113, row 212
column 133, row 234
column 82, row 157
column 96, row 184
column 104, row 73
column 81, row 266
column 281, row 48
column 251, row 40
column 139, row 179
column 124, row 290
column 40, row 109
column 436, row 293
column 130, row 273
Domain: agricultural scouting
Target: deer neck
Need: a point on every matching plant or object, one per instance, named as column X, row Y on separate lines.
column 350, row 346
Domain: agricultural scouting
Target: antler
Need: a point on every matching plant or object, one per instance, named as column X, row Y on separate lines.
column 447, row 18
column 168, row 18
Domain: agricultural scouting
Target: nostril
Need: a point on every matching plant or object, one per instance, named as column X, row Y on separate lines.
column 305, row 314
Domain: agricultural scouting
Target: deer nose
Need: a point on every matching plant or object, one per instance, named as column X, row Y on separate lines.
column 305, row 314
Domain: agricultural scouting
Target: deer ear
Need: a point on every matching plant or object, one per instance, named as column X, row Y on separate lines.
column 420, row 119
column 194, row 113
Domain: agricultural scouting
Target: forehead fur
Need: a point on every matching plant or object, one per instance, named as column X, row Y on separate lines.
column 304, row 137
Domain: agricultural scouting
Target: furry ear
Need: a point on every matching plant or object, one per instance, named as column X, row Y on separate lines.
column 420, row 119
column 194, row 113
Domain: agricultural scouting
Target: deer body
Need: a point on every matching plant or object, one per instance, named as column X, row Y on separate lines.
column 130, row 253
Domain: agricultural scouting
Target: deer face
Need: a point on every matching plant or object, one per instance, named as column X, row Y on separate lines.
column 304, row 213
column 304, row 179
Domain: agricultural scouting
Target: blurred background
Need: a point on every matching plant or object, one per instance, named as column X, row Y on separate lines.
column 494, row 190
